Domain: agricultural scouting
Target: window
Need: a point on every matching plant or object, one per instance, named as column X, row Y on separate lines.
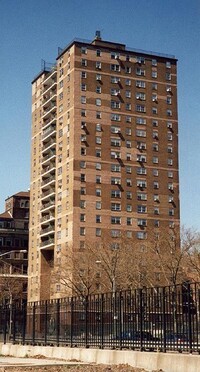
column 83, row 50
column 142, row 209
column 98, row 205
column 156, row 210
column 168, row 64
column 129, row 221
column 140, row 108
column 154, row 62
column 82, row 177
column 140, row 96
column 114, row 129
column 98, row 101
column 140, row 121
column 128, row 131
column 98, row 232
column 82, row 164
column 155, row 147
column 83, row 113
column 114, row 92
column 98, row 127
column 142, row 184
column 127, row 69
column 170, row 174
column 115, row 117
column 83, row 99
column 115, row 181
column 98, row 192
column 154, row 74
column 170, row 161
column 98, row 65
column 98, row 218
column 140, row 60
column 115, row 79
column 155, row 123
column 115, row 104
column 141, row 222
column 83, row 151
column 115, row 220
column 169, row 136
column 128, row 119
column 129, row 208
column 82, row 204
column 83, row 87
column 129, row 195
column 114, row 55
column 140, row 133
column 155, row 172
column 141, row 158
column 115, row 194
column 115, row 207
column 98, row 153
column 98, row 179
column 169, row 112
column 156, row 198
column 82, row 230
column 98, row 114
column 98, row 77
column 154, row 97
column 115, row 168
column 169, row 125
column 98, row 166
column 128, row 94
column 98, row 140
column 82, row 217
column 128, row 169
column 141, row 170
column 128, row 156
column 154, row 110
column 83, row 74
column 128, row 182
column 115, row 142
column 170, row 199
column 140, row 84
column 141, row 196
column 128, row 82
column 98, row 89
column 154, row 86
column 128, row 106
column 155, row 134
column 115, row 233
column 140, row 72
column 168, row 76
column 98, row 53
column 169, row 100
column 156, row 185
column 83, row 191
column 114, row 67
column 171, row 212
column 84, row 62
column 170, row 149
column 115, row 155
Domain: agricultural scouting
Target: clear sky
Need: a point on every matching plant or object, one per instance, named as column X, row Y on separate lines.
column 31, row 30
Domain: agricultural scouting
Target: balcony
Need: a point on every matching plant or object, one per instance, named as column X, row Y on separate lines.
column 49, row 120
column 50, row 110
column 50, row 95
column 48, row 205
column 48, row 131
column 48, row 193
column 49, row 169
column 48, row 230
column 47, row 218
column 49, row 156
column 48, row 244
column 48, row 180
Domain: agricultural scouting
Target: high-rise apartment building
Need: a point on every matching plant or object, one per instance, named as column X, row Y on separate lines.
column 104, row 151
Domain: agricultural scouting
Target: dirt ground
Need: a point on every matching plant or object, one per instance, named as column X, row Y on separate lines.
column 77, row 368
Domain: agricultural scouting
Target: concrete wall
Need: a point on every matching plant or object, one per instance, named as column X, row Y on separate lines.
column 149, row 360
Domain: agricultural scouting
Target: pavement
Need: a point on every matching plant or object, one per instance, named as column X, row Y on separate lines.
column 12, row 361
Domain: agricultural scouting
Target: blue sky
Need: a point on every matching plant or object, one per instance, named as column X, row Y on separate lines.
column 31, row 30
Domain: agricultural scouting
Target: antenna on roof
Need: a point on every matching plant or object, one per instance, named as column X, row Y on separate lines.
column 98, row 35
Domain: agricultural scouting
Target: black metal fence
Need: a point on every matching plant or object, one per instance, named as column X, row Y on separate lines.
column 164, row 319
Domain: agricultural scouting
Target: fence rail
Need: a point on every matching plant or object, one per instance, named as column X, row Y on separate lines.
column 164, row 319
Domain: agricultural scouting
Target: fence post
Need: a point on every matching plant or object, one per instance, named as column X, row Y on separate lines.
column 120, row 319
column 58, row 322
column 86, row 321
column 14, row 322
column 45, row 323
column 72, row 321
column 24, row 311
column 5, row 324
column 141, row 317
column 164, row 320
column 33, row 325
column 189, row 318
column 102, row 320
